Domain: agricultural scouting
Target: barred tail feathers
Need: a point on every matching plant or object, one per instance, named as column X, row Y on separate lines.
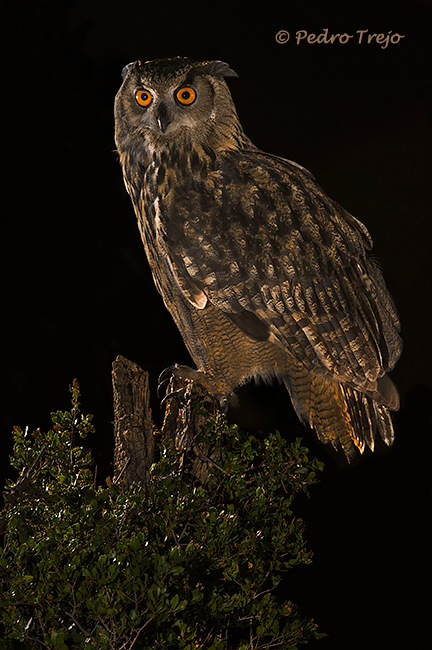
column 339, row 414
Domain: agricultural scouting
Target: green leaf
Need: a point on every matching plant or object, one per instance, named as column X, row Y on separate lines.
column 176, row 570
column 196, row 595
column 27, row 578
column 174, row 601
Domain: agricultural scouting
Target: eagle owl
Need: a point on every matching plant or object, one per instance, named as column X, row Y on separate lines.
column 264, row 274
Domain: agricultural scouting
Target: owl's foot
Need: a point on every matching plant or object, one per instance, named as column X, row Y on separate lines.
column 174, row 393
column 197, row 377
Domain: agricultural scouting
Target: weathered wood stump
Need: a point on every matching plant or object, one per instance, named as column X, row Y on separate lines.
column 135, row 447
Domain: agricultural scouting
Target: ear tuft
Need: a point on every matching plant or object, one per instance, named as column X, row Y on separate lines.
column 126, row 69
column 221, row 69
column 215, row 68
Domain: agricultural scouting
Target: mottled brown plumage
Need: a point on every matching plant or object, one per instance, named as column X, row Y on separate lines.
column 262, row 272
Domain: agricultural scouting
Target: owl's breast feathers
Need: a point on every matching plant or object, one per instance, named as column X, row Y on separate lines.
column 256, row 236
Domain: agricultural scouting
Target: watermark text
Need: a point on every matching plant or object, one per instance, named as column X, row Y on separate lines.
column 361, row 37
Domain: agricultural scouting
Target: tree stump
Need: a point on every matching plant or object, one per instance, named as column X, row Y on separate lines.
column 135, row 448
column 184, row 422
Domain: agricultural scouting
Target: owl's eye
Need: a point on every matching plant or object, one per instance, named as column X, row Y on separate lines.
column 143, row 97
column 186, row 95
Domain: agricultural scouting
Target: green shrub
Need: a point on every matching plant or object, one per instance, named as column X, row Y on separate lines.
column 178, row 565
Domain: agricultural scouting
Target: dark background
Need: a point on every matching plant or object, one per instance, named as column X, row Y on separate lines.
column 77, row 291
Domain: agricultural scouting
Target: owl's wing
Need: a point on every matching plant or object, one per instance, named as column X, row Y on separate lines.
column 262, row 241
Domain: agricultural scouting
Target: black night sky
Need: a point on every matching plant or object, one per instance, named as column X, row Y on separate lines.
column 76, row 287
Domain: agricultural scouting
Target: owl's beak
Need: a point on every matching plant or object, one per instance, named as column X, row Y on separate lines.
column 162, row 117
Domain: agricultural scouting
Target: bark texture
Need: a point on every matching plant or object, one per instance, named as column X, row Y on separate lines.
column 134, row 449
column 188, row 408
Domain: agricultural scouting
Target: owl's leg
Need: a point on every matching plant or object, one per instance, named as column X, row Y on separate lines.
column 198, row 377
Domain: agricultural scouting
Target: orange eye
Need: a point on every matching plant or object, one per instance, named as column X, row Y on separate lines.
column 143, row 97
column 186, row 95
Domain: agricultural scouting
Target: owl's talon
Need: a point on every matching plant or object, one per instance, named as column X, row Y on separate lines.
column 162, row 385
column 163, row 381
column 166, row 374
column 168, row 396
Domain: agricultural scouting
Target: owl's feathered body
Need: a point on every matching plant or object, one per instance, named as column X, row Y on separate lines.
column 262, row 272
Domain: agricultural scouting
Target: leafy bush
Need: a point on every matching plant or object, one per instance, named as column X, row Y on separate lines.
column 177, row 565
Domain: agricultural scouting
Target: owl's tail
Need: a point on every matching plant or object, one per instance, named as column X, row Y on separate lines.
column 340, row 414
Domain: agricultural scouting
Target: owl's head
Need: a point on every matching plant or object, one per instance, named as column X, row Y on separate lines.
column 175, row 100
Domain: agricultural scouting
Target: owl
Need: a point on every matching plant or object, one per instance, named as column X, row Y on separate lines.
column 264, row 275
